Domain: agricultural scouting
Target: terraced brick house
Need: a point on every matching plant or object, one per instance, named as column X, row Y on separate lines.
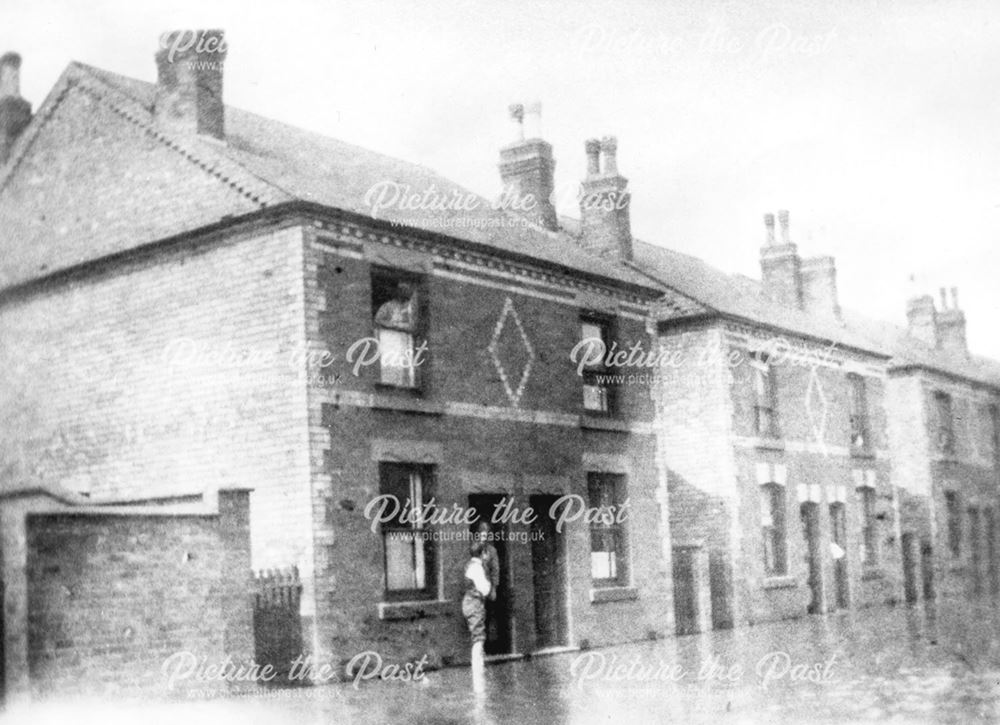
column 189, row 298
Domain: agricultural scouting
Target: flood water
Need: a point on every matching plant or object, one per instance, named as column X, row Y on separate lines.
column 905, row 664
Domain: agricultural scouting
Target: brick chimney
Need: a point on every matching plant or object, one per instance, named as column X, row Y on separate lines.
column 922, row 319
column 951, row 325
column 189, row 82
column 15, row 112
column 604, row 202
column 819, row 286
column 780, row 266
column 528, row 168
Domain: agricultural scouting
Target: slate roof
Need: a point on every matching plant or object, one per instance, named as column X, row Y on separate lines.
column 265, row 163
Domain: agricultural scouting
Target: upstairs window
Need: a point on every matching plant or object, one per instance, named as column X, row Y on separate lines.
column 869, row 526
column 598, row 391
column 773, row 529
column 608, row 557
column 765, row 397
column 397, row 321
column 944, row 424
column 409, row 547
column 858, row 413
column 953, row 510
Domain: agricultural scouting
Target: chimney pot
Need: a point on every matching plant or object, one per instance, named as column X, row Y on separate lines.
column 954, row 298
column 769, row 226
column 783, row 221
column 593, row 149
column 15, row 112
column 604, row 202
column 780, row 265
column 516, row 111
column 10, row 75
column 609, row 153
column 944, row 299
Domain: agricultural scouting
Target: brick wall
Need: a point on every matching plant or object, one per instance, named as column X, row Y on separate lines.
column 95, row 404
column 696, row 446
column 479, row 440
column 112, row 595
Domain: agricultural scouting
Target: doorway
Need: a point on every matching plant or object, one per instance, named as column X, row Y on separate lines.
column 809, row 512
column 548, row 562
column 499, row 617
column 909, row 568
column 838, row 531
column 685, row 593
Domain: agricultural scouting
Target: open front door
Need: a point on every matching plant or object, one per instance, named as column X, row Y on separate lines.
column 499, row 618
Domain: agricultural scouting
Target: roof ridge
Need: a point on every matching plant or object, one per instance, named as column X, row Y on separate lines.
column 262, row 197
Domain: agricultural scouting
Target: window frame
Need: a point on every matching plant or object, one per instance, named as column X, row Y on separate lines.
column 422, row 532
column 602, row 531
column 944, row 422
column 774, row 529
column 608, row 391
column 858, row 413
column 765, row 390
column 382, row 278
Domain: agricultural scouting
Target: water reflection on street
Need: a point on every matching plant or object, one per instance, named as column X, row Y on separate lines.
column 904, row 664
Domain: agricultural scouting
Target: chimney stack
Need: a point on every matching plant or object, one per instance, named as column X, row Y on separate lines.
column 189, row 82
column 604, row 202
column 922, row 319
column 951, row 325
column 527, row 168
column 15, row 112
column 780, row 266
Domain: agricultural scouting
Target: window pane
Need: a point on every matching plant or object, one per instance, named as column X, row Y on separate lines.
column 595, row 397
column 400, row 572
column 600, row 565
column 590, row 330
column 395, row 357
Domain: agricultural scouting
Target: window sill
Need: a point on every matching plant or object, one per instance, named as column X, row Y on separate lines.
column 387, row 401
column 780, row 582
column 613, row 594
column 775, row 444
column 399, row 611
column 862, row 453
column 599, row 422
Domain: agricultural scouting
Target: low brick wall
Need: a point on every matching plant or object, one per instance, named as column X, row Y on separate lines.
column 111, row 594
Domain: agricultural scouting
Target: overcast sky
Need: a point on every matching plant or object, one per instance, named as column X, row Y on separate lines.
column 876, row 123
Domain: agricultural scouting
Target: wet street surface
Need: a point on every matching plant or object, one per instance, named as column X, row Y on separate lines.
column 902, row 665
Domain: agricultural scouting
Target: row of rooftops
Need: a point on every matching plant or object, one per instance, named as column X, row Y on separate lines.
column 264, row 165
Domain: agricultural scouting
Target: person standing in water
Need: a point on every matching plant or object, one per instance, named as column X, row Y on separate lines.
column 477, row 589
